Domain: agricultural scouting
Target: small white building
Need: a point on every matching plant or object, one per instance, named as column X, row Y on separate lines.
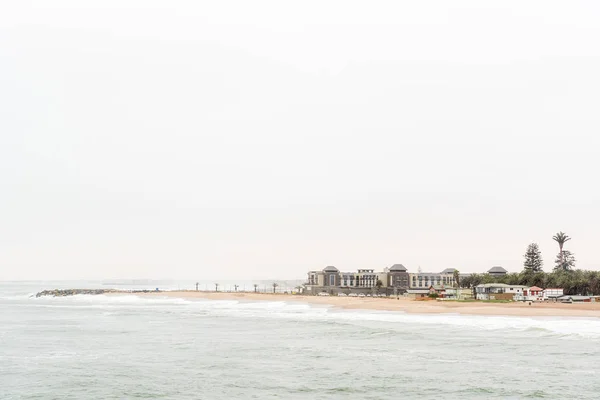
column 552, row 293
column 498, row 291
column 532, row 293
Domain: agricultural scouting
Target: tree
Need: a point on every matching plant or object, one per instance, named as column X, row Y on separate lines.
column 216, row 287
column 197, row 286
column 255, row 288
column 565, row 261
column 274, row 287
column 456, row 274
column 379, row 284
column 533, row 259
column 235, row 287
column 561, row 238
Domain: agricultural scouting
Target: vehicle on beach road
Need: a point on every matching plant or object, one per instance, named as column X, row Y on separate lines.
column 353, row 295
column 361, row 295
column 323, row 294
column 342, row 294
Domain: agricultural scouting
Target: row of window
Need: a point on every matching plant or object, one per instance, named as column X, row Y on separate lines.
column 439, row 279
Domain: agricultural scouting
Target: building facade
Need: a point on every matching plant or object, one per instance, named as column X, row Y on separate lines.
column 439, row 280
column 499, row 291
column 394, row 280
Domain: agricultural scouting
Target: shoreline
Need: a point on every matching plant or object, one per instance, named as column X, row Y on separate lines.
column 401, row 305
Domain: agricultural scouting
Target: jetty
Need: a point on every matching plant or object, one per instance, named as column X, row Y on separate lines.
column 74, row 292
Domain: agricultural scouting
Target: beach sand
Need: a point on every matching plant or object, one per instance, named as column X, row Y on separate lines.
column 404, row 305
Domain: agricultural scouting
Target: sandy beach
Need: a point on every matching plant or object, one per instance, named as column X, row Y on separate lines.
column 405, row 305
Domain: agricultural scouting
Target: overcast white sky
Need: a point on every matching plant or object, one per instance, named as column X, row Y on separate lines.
column 261, row 139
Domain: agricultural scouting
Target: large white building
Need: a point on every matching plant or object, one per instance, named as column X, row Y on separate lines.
column 424, row 280
column 392, row 280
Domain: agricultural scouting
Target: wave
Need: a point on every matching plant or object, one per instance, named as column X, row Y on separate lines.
column 302, row 312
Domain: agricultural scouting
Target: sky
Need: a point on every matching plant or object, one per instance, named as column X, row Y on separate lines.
column 255, row 140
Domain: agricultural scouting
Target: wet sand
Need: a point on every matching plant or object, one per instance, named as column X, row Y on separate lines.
column 404, row 304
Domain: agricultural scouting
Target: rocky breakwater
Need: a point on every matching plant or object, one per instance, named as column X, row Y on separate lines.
column 73, row 292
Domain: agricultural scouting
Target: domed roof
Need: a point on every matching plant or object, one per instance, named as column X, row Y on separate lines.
column 448, row 271
column 330, row 268
column 398, row 268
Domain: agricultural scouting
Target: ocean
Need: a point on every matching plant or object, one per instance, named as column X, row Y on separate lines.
column 126, row 347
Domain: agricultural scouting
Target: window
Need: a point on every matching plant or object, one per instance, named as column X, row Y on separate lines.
column 331, row 280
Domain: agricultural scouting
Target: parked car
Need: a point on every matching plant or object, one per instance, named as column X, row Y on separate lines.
column 342, row 294
column 323, row 294
column 353, row 295
column 361, row 295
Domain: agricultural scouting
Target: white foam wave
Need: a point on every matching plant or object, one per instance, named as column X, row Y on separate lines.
column 112, row 300
column 531, row 326
column 540, row 326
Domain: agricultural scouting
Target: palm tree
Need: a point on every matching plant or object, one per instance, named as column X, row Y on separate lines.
column 561, row 238
column 197, row 286
column 236, row 287
column 216, row 287
column 274, row 287
column 456, row 275
column 255, row 288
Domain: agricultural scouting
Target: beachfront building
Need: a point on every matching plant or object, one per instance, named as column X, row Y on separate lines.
column 460, row 293
column 440, row 292
column 328, row 277
column 535, row 293
column 439, row 280
column 364, row 278
column 551, row 294
column 576, row 299
column 498, row 291
column 532, row 293
column 392, row 280
column 426, row 292
column 398, row 278
column 417, row 293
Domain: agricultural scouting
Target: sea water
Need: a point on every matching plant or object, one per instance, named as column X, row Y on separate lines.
column 128, row 347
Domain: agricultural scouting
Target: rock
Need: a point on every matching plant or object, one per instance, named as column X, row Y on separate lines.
column 73, row 292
